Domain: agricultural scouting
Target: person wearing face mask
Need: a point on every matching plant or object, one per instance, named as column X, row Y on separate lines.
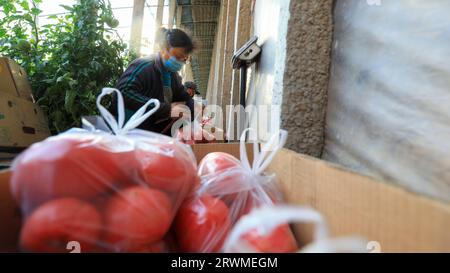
column 156, row 77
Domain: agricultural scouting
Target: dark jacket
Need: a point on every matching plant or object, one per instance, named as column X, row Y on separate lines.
column 142, row 81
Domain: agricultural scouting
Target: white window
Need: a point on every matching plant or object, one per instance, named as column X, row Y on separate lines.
column 123, row 11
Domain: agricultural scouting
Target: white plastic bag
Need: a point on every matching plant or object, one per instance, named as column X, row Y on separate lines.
column 109, row 192
column 229, row 190
column 266, row 219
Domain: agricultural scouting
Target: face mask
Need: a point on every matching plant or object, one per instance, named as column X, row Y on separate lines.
column 173, row 65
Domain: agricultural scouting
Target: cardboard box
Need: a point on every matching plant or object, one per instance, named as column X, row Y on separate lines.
column 22, row 122
column 7, row 86
column 352, row 204
column 20, row 77
column 10, row 216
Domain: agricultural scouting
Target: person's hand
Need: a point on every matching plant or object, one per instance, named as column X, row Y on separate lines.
column 178, row 103
column 190, row 91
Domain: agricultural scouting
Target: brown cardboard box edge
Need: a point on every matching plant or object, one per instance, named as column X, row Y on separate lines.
column 19, row 79
column 22, row 121
column 200, row 150
column 6, row 79
column 351, row 203
column 9, row 215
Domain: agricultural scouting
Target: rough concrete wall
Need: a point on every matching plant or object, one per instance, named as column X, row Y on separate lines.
column 306, row 74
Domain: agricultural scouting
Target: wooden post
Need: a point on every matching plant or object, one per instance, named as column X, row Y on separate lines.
column 136, row 26
column 179, row 14
column 158, row 19
column 172, row 7
column 159, row 14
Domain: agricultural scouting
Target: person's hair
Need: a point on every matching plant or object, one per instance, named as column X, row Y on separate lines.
column 175, row 38
column 191, row 85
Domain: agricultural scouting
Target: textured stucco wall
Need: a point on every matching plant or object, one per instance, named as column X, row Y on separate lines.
column 306, row 75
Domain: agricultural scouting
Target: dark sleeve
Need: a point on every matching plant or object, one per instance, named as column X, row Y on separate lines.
column 181, row 95
column 190, row 103
column 133, row 83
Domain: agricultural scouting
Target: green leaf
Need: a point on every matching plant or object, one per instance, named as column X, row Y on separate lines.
column 69, row 8
column 72, row 61
column 73, row 83
column 36, row 11
column 28, row 18
column 60, row 79
column 7, row 8
column 24, row 5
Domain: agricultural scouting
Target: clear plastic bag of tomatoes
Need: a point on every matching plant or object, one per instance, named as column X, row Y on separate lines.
column 265, row 221
column 103, row 191
column 230, row 189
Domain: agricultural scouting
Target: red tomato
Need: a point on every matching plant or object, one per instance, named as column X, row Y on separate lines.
column 59, row 168
column 130, row 167
column 217, row 162
column 239, row 204
column 170, row 168
column 247, row 201
column 202, row 224
column 54, row 224
column 224, row 175
column 171, row 242
column 280, row 240
column 101, row 201
column 135, row 217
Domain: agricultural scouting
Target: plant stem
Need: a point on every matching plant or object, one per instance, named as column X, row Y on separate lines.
column 36, row 33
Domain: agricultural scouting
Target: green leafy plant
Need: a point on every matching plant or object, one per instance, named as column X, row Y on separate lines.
column 69, row 61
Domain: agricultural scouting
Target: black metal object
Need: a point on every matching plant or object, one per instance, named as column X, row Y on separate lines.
column 242, row 59
column 243, row 85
